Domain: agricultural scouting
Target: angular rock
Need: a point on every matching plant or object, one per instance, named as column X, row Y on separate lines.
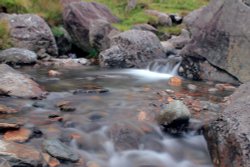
column 21, row 135
column 229, row 136
column 31, row 32
column 145, row 27
column 175, row 110
column 78, row 18
column 162, row 18
column 59, row 150
column 7, row 110
column 221, row 35
column 131, row 5
column 20, row 155
column 132, row 49
column 180, row 41
column 99, row 34
column 17, row 56
column 16, row 84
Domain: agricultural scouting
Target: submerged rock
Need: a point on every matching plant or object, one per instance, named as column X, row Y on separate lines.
column 31, row 32
column 7, row 110
column 132, row 49
column 17, row 84
column 229, row 136
column 59, row 150
column 17, row 56
column 221, row 36
column 174, row 111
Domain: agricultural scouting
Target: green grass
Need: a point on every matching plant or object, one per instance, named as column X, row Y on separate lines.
column 51, row 10
column 138, row 15
column 5, row 41
column 57, row 31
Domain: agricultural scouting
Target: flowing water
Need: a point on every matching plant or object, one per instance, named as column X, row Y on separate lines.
column 110, row 129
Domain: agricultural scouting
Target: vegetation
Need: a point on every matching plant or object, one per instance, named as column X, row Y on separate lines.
column 5, row 41
column 50, row 10
column 57, row 31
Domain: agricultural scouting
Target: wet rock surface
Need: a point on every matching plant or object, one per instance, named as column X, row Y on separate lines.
column 17, row 84
column 59, row 150
column 31, row 32
column 228, row 136
column 20, row 155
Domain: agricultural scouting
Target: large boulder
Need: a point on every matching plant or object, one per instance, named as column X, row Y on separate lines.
column 31, row 32
column 221, row 35
column 229, row 136
column 78, row 18
column 16, row 84
column 132, row 49
column 17, row 56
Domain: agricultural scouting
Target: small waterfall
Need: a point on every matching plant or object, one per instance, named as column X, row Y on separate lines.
column 167, row 66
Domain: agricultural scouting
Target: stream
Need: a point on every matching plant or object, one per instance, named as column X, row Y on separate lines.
column 113, row 122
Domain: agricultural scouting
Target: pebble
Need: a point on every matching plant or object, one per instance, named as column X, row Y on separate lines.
column 213, row 90
column 7, row 110
column 52, row 162
column 53, row 73
column 59, row 150
column 192, row 87
column 175, row 81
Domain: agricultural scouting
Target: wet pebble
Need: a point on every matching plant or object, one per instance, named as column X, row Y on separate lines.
column 60, row 150
column 7, row 110
column 192, row 87
column 65, row 106
column 52, row 162
column 53, row 73
column 212, row 90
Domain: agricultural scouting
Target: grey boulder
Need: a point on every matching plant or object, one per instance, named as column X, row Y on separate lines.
column 78, row 18
column 18, row 56
column 229, row 135
column 220, row 33
column 132, row 49
column 31, row 32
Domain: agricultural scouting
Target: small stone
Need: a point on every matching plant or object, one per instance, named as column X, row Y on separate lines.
column 39, row 104
column 65, row 106
column 92, row 164
column 59, row 150
column 175, row 81
column 6, row 126
column 225, row 87
column 21, row 135
column 53, row 73
column 7, row 110
column 52, row 162
column 192, row 87
column 175, row 110
column 213, row 90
